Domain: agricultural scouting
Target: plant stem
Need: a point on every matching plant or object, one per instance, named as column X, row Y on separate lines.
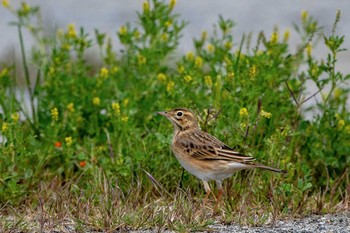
column 27, row 77
column 26, row 73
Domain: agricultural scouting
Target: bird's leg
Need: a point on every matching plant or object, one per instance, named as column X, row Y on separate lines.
column 207, row 190
column 218, row 198
column 220, row 191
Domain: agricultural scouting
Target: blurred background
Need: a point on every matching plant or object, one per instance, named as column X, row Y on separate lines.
column 250, row 16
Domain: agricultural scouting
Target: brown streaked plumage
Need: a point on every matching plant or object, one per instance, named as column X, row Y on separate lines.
column 203, row 155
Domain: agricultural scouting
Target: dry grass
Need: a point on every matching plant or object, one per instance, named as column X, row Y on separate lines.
column 109, row 209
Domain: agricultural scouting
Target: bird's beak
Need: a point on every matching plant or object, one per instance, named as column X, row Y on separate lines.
column 163, row 114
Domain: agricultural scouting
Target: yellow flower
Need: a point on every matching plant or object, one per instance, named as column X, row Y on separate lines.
column 125, row 119
column 96, row 101
column 260, row 52
column 243, row 112
column 208, row 81
column 168, row 23
column 57, row 60
column 188, row 78
column 341, row 124
column 71, row 31
column 218, row 83
column 286, row 35
column 285, row 132
column 101, row 148
column 54, row 114
column 170, row 86
column 4, row 72
column 25, row 7
column 181, row 69
column 126, row 102
column 308, row 49
column 65, row 47
column 210, row 48
column 204, row 35
column 243, row 125
column 347, row 129
column 231, row 74
column 68, row 141
column 314, row 70
column 123, row 30
column 161, row 77
column 5, row 3
column 172, row 4
column 4, row 127
column 145, row 6
column 70, row 107
column 227, row 60
column 15, row 116
column 137, row 34
column 190, row 56
column 104, row 72
column 274, row 37
column 252, row 72
column 304, row 15
column 164, row 37
column 141, row 59
column 266, row 114
column 240, row 54
column 198, row 62
column 228, row 45
column 337, row 93
column 116, row 108
column 115, row 69
column 51, row 70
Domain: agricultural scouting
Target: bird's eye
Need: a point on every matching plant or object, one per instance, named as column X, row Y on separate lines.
column 179, row 114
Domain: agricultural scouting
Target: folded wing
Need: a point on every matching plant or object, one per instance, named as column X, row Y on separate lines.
column 203, row 146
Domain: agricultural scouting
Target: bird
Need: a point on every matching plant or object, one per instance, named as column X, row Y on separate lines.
column 205, row 156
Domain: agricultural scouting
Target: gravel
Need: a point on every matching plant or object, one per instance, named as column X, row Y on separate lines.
column 330, row 223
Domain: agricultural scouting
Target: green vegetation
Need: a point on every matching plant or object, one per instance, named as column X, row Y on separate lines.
column 90, row 150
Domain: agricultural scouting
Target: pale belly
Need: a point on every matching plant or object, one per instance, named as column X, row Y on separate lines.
column 217, row 170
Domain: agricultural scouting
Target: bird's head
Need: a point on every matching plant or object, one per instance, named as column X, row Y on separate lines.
column 182, row 119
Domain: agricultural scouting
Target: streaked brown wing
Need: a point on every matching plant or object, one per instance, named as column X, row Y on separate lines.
column 203, row 146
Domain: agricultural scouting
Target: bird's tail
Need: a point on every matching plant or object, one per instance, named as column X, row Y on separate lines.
column 270, row 168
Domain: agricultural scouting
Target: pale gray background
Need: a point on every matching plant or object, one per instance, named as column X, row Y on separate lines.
column 250, row 16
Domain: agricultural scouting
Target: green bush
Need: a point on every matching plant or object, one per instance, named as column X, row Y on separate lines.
column 93, row 128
